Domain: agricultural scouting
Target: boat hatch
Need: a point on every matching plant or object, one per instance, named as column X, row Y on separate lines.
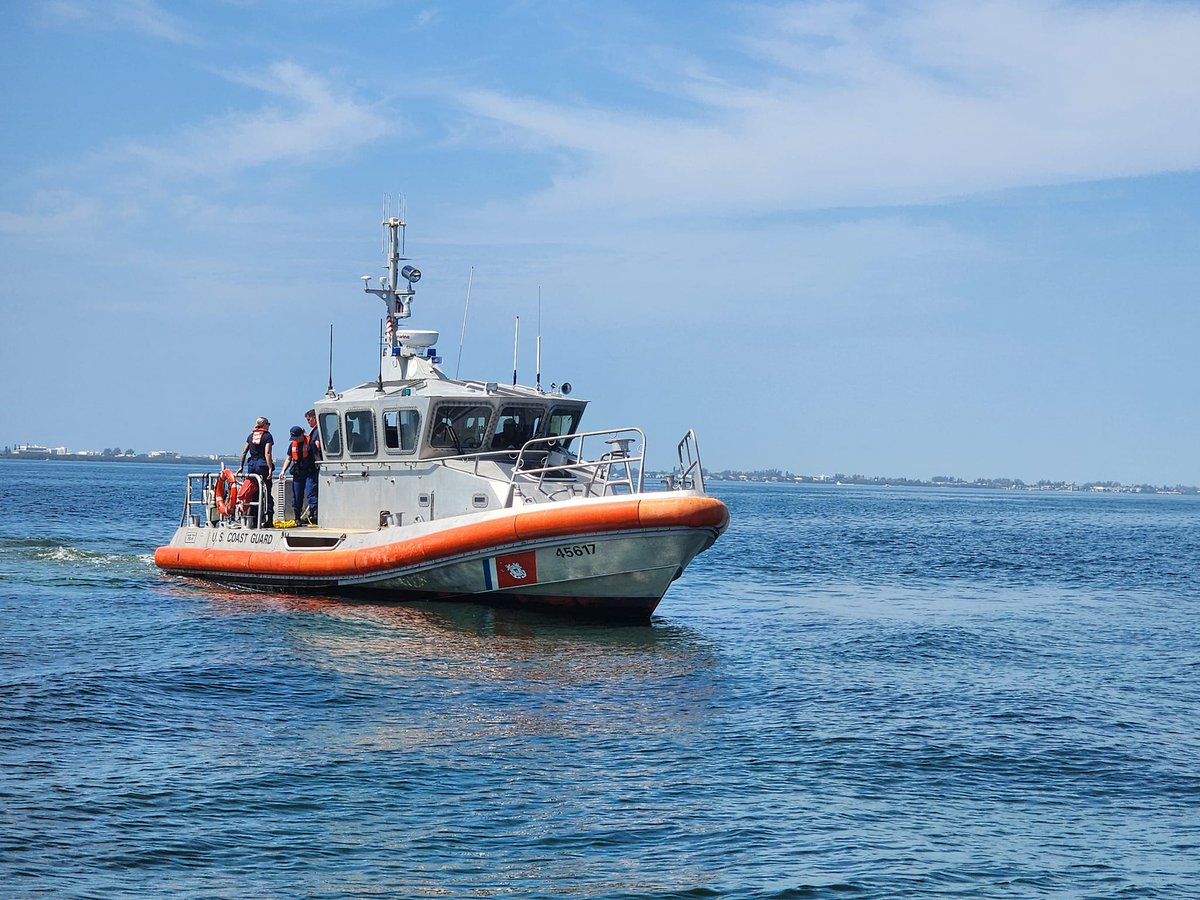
column 298, row 541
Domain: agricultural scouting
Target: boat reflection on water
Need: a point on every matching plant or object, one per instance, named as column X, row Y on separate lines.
column 414, row 677
column 439, row 635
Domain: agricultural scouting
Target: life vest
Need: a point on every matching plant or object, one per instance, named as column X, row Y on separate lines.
column 246, row 493
column 257, row 450
column 299, row 453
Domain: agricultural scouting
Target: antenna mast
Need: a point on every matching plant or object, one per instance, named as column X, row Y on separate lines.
column 538, row 379
column 397, row 301
column 329, row 392
column 516, row 342
column 466, row 307
column 379, row 385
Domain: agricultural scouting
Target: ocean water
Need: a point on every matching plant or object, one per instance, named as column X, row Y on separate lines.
column 858, row 692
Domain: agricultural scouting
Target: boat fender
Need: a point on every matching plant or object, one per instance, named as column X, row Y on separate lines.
column 226, row 492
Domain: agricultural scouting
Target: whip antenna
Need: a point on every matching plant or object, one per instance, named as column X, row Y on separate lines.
column 379, row 386
column 516, row 341
column 329, row 390
column 383, row 232
column 466, row 307
column 538, row 373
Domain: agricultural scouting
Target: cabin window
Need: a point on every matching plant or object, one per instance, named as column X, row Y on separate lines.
column 400, row 429
column 458, row 427
column 360, row 432
column 562, row 422
column 516, row 425
column 331, row 434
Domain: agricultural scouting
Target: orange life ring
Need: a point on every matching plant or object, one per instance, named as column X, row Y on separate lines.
column 226, row 492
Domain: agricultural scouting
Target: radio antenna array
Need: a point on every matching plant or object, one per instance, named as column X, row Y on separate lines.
column 396, row 299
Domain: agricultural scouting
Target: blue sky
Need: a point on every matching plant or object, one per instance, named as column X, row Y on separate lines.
column 915, row 239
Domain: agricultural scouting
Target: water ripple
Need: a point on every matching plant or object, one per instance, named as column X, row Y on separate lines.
column 858, row 693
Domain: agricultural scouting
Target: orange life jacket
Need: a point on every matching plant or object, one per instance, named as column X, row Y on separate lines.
column 299, row 453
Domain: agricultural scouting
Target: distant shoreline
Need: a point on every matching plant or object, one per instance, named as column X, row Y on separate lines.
column 768, row 476
column 774, row 476
column 993, row 484
column 139, row 458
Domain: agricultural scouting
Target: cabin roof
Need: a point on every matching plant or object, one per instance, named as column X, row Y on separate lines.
column 445, row 389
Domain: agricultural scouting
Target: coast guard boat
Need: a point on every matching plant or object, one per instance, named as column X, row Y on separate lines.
column 439, row 489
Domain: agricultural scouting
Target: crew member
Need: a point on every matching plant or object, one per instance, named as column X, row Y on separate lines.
column 315, row 456
column 304, row 474
column 256, row 459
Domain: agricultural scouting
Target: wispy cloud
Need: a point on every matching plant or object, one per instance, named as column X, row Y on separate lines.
column 305, row 121
column 49, row 213
column 850, row 105
column 309, row 120
column 142, row 17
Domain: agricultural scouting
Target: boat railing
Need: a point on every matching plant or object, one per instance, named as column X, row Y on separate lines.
column 199, row 495
column 200, row 503
column 690, row 475
column 558, row 466
column 544, row 462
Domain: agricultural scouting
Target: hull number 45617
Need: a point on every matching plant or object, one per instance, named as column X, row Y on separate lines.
column 576, row 550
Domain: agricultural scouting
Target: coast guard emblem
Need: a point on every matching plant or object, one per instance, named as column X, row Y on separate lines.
column 511, row 570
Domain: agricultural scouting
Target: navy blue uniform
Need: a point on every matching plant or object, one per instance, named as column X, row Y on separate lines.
column 314, row 455
column 304, row 476
column 257, row 443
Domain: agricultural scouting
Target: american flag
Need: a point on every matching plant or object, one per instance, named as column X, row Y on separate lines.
column 390, row 328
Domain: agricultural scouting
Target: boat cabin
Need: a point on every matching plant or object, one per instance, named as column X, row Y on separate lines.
column 415, row 449
column 406, row 424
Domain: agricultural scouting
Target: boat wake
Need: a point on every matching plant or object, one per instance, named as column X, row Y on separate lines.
column 48, row 561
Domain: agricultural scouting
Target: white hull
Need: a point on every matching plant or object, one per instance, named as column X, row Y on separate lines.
column 608, row 557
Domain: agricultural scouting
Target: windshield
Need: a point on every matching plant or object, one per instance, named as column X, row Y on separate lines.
column 360, row 431
column 459, row 428
column 400, row 427
column 331, row 434
column 516, row 425
column 562, row 421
